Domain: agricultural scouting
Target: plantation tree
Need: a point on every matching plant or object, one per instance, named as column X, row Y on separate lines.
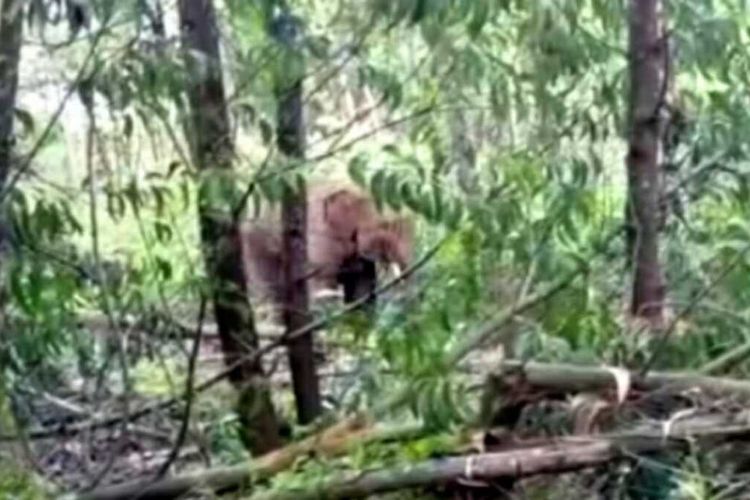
column 11, row 17
column 10, row 50
column 219, row 232
column 648, row 56
column 501, row 123
column 291, row 142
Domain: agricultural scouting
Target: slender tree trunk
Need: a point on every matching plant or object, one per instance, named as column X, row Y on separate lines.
column 11, row 23
column 296, row 309
column 212, row 151
column 647, row 99
column 10, row 53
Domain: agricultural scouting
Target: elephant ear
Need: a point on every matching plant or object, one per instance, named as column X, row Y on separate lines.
column 388, row 241
column 401, row 229
column 400, row 226
column 345, row 212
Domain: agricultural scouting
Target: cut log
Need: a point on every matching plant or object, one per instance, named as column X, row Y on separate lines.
column 553, row 457
column 571, row 378
column 543, row 457
column 330, row 442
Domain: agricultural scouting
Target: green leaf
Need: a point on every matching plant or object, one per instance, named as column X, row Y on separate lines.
column 411, row 197
column 392, row 191
column 127, row 130
column 266, row 131
column 377, row 187
column 163, row 232
column 419, row 11
column 432, row 32
column 17, row 291
column 159, row 194
column 404, row 9
column 26, row 120
column 356, row 169
column 164, row 268
column 173, row 168
column 70, row 218
column 133, row 196
column 440, row 202
column 481, row 11
column 454, row 214
column 247, row 113
column 185, row 188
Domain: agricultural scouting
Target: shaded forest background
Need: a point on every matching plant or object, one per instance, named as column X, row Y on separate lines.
column 577, row 176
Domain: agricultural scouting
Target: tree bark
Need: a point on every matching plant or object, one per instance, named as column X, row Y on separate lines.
column 11, row 17
column 11, row 24
column 212, row 151
column 647, row 52
column 296, row 307
column 566, row 378
column 550, row 459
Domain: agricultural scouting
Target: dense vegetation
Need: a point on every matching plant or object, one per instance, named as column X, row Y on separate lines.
column 504, row 129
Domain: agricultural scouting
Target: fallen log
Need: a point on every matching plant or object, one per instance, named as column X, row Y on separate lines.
column 487, row 466
column 572, row 378
column 332, row 441
column 341, row 436
column 538, row 456
column 547, row 456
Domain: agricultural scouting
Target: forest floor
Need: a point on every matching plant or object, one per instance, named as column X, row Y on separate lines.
column 114, row 453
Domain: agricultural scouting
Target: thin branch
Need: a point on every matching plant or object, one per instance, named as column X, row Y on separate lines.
column 105, row 292
column 189, row 393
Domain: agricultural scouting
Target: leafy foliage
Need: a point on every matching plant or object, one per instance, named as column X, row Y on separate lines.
column 18, row 484
column 497, row 124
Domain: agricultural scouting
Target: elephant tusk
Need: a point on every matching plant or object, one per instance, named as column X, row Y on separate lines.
column 396, row 270
column 326, row 294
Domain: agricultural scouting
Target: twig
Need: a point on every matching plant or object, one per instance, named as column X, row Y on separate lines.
column 105, row 293
column 189, row 393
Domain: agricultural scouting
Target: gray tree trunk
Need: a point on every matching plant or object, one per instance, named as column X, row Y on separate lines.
column 648, row 62
column 10, row 52
column 296, row 308
column 212, row 152
column 11, row 23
